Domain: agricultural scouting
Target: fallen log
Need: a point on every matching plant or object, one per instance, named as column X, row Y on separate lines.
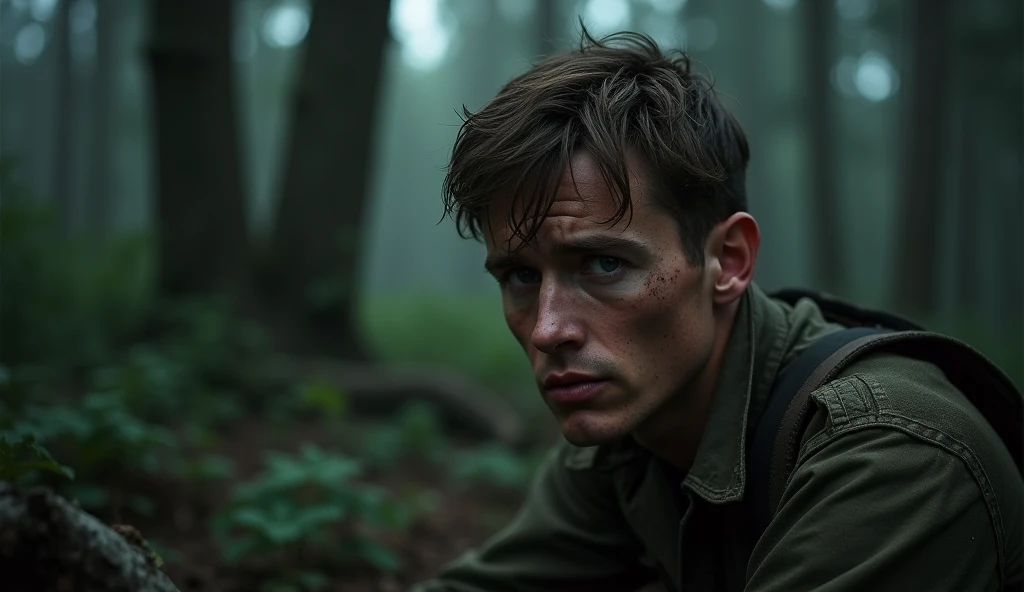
column 464, row 408
column 48, row 544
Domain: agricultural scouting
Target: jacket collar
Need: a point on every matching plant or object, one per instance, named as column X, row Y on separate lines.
column 757, row 346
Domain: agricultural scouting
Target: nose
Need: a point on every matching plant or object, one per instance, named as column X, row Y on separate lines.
column 557, row 327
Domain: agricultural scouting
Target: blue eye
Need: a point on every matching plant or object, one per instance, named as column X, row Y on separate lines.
column 521, row 276
column 526, row 275
column 604, row 265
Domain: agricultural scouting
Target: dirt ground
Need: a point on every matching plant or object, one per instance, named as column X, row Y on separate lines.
column 464, row 519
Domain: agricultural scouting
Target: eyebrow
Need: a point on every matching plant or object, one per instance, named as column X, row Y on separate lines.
column 584, row 245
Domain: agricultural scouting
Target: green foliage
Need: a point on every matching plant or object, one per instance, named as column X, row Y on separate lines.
column 207, row 366
column 495, row 466
column 66, row 299
column 166, row 555
column 465, row 334
column 154, row 381
column 20, row 457
column 220, row 348
column 325, row 398
column 103, row 440
column 209, row 467
column 414, row 435
column 104, row 434
column 306, row 508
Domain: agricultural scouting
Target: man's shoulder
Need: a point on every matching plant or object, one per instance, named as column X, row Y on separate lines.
column 884, row 395
column 905, row 429
column 914, row 396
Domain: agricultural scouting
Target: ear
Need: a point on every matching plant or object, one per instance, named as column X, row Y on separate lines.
column 732, row 252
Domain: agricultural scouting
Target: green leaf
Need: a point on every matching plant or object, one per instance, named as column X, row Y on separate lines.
column 384, row 447
column 492, row 465
column 324, row 397
column 212, row 467
column 378, row 556
column 281, row 533
column 167, row 554
column 255, row 518
column 311, row 580
column 21, row 457
column 311, row 519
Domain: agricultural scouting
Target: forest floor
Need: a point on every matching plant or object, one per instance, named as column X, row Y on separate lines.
column 179, row 526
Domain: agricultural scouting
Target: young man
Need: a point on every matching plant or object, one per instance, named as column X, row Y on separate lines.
column 608, row 186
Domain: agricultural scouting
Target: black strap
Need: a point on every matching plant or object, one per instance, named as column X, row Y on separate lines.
column 787, row 384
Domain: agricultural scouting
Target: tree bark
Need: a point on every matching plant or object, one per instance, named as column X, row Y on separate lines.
column 918, row 229
column 46, row 544
column 200, row 204
column 826, row 231
column 317, row 239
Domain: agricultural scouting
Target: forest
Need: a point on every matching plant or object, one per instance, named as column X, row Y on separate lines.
column 235, row 326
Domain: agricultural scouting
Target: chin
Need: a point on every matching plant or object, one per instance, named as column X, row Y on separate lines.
column 590, row 428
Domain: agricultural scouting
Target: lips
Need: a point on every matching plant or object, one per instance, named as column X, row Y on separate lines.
column 572, row 387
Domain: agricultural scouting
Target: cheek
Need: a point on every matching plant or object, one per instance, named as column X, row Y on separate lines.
column 519, row 322
column 664, row 321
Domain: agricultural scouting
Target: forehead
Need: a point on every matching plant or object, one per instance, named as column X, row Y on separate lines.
column 584, row 202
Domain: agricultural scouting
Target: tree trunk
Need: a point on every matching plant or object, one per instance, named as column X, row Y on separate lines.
column 918, row 229
column 65, row 122
column 200, row 203
column 826, row 231
column 316, row 241
column 98, row 213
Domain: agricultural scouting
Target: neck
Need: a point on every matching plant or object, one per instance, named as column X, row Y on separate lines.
column 674, row 432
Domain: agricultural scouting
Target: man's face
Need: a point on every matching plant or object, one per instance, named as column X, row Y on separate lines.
column 615, row 321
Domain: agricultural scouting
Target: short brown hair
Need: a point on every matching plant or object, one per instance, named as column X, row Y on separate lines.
column 611, row 96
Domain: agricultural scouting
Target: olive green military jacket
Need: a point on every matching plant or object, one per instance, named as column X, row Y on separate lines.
column 900, row 485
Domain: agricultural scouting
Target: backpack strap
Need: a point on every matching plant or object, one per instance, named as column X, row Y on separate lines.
column 787, row 389
column 779, row 432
